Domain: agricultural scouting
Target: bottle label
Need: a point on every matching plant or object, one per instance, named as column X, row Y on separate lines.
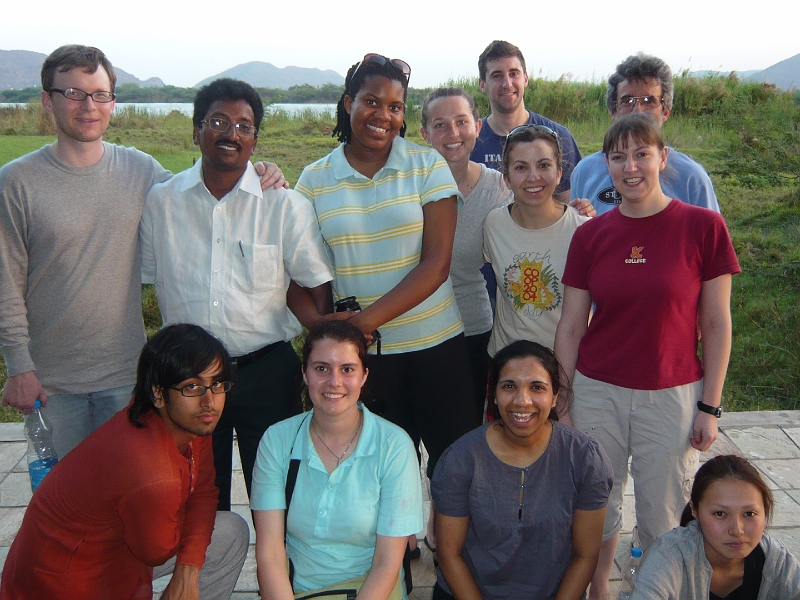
column 39, row 468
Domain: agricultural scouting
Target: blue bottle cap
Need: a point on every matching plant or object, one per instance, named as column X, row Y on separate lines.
column 37, row 404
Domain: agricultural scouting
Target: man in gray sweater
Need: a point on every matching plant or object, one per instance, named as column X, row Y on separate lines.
column 70, row 288
column 70, row 273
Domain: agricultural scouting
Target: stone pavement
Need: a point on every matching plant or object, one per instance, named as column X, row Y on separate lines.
column 770, row 439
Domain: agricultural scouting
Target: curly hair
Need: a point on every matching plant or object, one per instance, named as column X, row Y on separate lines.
column 637, row 68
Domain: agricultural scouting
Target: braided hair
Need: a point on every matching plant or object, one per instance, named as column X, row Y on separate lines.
column 352, row 85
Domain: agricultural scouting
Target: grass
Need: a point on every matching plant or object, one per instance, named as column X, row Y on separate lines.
column 744, row 134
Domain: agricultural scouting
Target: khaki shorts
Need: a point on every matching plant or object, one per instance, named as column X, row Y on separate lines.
column 653, row 428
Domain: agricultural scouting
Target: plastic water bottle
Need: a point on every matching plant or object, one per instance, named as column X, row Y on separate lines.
column 41, row 454
column 628, row 573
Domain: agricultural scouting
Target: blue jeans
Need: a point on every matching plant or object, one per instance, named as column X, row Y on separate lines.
column 75, row 416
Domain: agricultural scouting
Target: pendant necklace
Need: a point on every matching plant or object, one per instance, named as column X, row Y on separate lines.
column 338, row 458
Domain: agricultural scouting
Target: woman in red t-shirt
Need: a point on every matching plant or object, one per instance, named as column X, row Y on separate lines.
column 655, row 269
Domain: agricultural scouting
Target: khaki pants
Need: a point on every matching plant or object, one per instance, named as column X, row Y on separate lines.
column 653, row 428
column 224, row 558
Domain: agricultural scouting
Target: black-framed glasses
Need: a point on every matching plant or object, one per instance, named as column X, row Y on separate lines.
column 533, row 127
column 192, row 390
column 79, row 95
column 379, row 60
column 626, row 104
column 223, row 125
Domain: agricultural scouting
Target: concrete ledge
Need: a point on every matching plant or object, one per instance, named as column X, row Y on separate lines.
column 763, row 418
column 12, row 432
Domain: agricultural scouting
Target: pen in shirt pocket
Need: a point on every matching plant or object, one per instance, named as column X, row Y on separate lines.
column 241, row 248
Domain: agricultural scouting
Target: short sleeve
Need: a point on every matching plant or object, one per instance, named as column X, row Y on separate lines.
column 576, row 271
column 269, row 473
column 400, row 507
column 596, row 480
column 452, row 480
column 438, row 182
column 304, row 253
column 719, row 257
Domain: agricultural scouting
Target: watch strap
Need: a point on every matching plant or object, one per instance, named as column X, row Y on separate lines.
column 711, row 410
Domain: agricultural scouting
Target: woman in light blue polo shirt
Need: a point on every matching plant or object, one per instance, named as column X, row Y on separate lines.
column 357, row 495
column 387, row 210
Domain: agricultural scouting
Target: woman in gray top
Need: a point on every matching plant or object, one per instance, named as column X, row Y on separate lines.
column 721, row 549
column 520, row 502
column 451, row 124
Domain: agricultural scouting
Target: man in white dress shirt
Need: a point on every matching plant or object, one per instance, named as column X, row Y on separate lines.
column 222, row 253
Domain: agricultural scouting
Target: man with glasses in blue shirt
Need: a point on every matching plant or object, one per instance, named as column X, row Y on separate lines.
column 222, row 253
column 642, row 83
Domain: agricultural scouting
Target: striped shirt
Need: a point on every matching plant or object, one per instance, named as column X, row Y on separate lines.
column 373, row 232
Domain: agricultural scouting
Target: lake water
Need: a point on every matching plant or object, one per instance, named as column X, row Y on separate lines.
column 163, row 108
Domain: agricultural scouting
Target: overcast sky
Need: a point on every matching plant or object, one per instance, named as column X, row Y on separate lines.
column 184, row 42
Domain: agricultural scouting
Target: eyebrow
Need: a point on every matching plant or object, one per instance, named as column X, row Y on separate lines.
column 458, row 116
column 227, row 117
column 531, row 381
column 729, row 508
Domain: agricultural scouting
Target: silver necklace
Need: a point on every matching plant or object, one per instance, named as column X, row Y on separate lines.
column 338, row 458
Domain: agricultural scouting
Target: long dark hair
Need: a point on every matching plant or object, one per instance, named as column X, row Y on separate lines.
column 174, row 354
column 727, row 466
column 523, row 349
column 352, row 83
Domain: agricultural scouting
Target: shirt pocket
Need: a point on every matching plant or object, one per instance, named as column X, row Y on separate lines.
column 257, row 268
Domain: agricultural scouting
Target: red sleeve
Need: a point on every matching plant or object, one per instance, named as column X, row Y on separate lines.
column 576, row 271
column 719, row 257
column 151, row 517
column 201, row 507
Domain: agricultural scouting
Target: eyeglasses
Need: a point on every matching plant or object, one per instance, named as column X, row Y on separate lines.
column 378, row 60
column 539, row 128
column 80, row 95
column 193, row 390
column 221, row 125
column 626, row 104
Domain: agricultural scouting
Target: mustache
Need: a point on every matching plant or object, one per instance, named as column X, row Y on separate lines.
column 229, row 143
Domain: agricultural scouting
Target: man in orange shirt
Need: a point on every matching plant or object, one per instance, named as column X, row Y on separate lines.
column 139, row 492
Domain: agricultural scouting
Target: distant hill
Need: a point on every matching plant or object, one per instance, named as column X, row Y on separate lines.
column 22, row 68
column 785, row 74
column 740, row 74
column 263, row 74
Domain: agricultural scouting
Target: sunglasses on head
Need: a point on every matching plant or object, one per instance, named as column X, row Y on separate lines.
column 539, row 128
column 378, row 60
column 517, row 130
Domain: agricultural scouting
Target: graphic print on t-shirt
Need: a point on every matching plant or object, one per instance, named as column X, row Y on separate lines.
column 610, row 195
column 531, row 284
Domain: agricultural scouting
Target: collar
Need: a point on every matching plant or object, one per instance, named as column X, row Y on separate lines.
column 365, row 446
column 249, row 182
column 395, row 162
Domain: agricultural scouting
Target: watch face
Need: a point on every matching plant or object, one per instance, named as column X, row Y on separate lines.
column 711, row 410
